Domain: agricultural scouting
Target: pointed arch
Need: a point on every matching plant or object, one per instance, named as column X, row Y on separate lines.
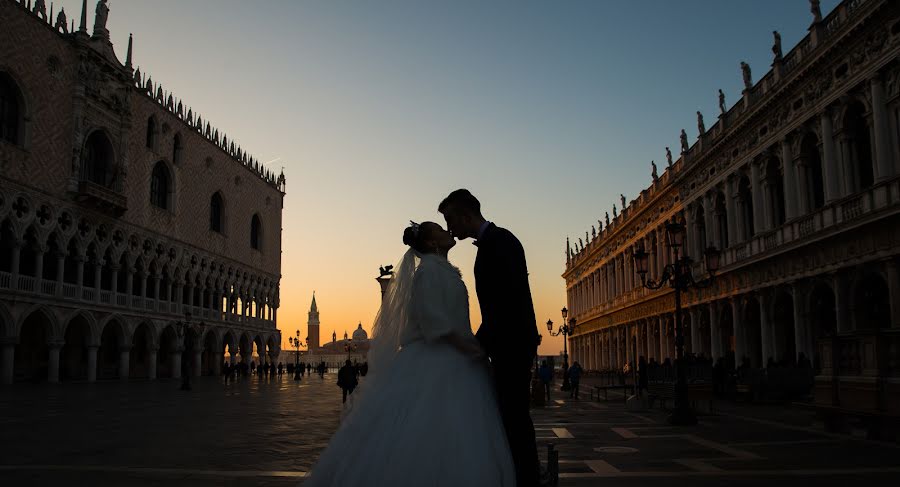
column 13, row 119
column 256, row 232
column 161, row 186
column 217, row 213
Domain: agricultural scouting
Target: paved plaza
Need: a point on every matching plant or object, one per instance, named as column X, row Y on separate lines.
column 269, row 432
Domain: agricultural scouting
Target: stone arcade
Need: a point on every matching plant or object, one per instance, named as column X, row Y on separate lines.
column 798, row 185
column 131, row 232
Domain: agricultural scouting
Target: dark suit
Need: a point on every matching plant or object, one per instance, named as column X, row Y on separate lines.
column 509, row 336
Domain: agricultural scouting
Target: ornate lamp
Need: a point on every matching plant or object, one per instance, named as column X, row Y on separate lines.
column 675, row 234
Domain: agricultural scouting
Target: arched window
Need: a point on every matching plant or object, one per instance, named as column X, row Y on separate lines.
column 812, row 161
column 176, row 149
column 216, row 212
column 255, row 232
column 97, row 159
column 857, row 147
column 11, row 110
column 160, row 186
column 775, row 191
column 721, row 214
column 745, row 198
column 151, row 132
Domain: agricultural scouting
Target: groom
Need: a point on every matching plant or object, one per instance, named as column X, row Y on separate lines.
column 508, row 331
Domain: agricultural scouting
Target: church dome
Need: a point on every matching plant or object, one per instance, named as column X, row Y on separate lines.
column 359, row 334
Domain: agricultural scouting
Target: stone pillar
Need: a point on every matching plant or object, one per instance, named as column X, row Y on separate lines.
column 39, row 267
column 802, row 337
column 16, row 260
column 79, row 274
column 736, row 217
column 731, row 216
column 740, row 338
column 715, row 333
column 197, row 368
column 884, row 167
column 143, row 276
column 176, row 363
column 712, row 229
column 842, row 303
column 663, row 342
column 114, row 281
column 60, row 272
column 53, row 362
column 7, row 360
column 791, row 191
column 151, row 362
column 92, row 363
column 155, row 279
column 760, row 215
column 124, row 361
column 690, row 243
column 648, row 325
column 830, row 171
column 804, row 197
column 129, row 284
column 767, row 341
column 696, row 346
column 893, row 278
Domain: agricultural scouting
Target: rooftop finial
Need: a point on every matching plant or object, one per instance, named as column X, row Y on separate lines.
column 128, row 55
column 83, row 26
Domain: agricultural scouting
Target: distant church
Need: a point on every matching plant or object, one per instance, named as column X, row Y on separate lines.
column 335, row 352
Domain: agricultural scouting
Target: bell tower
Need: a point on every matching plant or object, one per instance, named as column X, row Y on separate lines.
column 313, row 325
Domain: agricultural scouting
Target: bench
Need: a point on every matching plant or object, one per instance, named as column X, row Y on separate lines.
column 878, row 425
column 664, row 392
column 596, row 389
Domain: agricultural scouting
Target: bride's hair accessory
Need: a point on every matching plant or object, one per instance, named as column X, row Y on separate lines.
column 415, row 228
column 411, row 234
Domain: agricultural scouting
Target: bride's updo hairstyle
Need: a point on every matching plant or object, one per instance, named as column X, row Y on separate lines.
column 416, row 235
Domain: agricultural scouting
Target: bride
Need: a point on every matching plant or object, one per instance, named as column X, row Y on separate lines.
column 426, row 413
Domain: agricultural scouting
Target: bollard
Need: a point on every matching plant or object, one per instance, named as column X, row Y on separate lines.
column 553, row 464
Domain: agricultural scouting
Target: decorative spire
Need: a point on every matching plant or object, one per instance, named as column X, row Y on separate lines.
column 83, row 26
column 128, row 55
column 313, row 308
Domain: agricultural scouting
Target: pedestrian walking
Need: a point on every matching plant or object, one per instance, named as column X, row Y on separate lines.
column 347, row 380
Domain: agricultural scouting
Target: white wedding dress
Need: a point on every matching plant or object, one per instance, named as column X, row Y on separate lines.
column 426, row 414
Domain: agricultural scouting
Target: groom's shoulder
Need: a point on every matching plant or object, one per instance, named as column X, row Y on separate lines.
column 505, row 236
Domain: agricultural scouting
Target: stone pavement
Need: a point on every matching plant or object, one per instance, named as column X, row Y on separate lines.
column 261, row 433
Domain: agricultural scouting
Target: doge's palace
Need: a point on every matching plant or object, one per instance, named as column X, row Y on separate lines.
column 798, row 184
column 136, row 239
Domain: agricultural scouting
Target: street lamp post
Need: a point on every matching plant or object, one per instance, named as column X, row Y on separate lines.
column 537, row 392
column 296, row 343
column 679, row 275
column 350, row 348
column 566, row 329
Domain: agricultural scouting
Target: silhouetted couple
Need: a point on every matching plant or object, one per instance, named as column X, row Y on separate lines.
column 430, row 412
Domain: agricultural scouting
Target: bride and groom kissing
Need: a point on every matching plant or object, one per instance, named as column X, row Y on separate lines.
column 441, row 406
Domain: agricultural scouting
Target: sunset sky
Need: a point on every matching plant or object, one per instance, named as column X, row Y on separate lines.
column 546, row 111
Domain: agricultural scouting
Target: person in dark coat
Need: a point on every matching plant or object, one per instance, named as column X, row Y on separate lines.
column 508, row 331
column 347, row 379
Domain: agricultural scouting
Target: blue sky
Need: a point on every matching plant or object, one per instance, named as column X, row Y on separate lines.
column 377, row 109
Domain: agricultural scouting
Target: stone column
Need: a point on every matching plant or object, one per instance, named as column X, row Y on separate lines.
column 53, row 362
column 129, row 284
column 802, row 336
column 114, row 281
column 79, row 274
column 690, row 243
column 830, row 171
column 92, row 363
column 7, row 360
column 124, row 361
column 143, row 289
column 151, row 362
column 696, row 346
column 735, row 217
column 649, row 328
column 884, row 167
column 712, row 229
column 740, row 338
column 60, row 272
column 155, row 279
column 176, row 363
column 663, row 342
column 893, row 276
column 766, row 330
column 16, row 261
column 760, row 216
column 791, row 191
column 197, row 368
column 98, row 274
column 715, row 334
column 804, row 197
column 842, row 303
column 39, row 267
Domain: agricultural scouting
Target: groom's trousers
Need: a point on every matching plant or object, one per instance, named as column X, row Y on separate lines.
column 513, row 386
